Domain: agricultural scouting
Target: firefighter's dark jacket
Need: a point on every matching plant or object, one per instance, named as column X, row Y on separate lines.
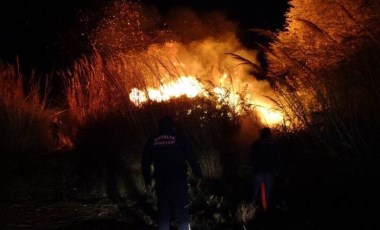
column 169, row 154
column 265, row 156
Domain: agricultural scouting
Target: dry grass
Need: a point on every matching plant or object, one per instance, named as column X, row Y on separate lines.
column 323, row 68
column 24, row 119
column 246, row 212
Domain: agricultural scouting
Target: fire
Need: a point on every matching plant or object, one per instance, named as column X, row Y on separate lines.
column 269, row 115
column 184, row 86
column 190, row 87
column 165, row 68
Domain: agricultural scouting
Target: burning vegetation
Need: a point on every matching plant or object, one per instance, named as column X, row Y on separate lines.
column 321, row 86
column 321, row 67
column 135, row 63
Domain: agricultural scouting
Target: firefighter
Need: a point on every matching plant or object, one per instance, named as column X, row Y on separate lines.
column 169, row 153
column 265, row 155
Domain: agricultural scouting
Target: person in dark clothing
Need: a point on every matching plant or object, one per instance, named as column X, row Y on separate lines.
column 265, row 155
column 169, row 154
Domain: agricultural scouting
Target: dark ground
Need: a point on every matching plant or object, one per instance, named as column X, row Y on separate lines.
column 310, row 194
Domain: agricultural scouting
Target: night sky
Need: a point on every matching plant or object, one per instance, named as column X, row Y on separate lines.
column 40, row 32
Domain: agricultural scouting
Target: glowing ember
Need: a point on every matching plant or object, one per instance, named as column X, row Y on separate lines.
column 190, row 87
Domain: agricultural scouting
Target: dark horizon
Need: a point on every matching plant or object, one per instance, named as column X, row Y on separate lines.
column 41, row 34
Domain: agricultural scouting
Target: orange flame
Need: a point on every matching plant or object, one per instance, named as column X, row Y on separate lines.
column 190, row 87
column 268, row 114
column 184, row 86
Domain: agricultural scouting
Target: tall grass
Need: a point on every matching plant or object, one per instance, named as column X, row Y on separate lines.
column 323, row 67
column 24, row 119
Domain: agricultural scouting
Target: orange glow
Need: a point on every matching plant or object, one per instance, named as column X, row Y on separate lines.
column 203, row 67
column 190, row 87
column 184, row 86
column 269, row 115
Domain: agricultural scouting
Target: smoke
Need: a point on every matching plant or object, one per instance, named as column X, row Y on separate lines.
column 198, row 42
column 192, row 26
column 202, row 47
